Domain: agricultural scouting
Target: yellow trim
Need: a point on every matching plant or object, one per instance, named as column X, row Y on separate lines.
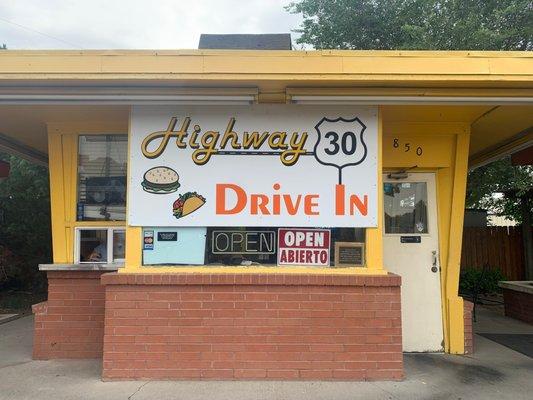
column 254, row 68
column 454, row 304
column 249, row 270
column 57, row 201
column 410, row 92
column 374, row 236
column 133, row 234
column 82, row 224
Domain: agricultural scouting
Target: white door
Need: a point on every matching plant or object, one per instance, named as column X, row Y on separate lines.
column 410, row 245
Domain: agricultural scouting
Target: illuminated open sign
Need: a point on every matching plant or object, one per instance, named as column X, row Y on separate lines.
column 243, row 242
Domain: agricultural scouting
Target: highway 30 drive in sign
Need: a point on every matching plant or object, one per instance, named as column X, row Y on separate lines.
column 255, row 165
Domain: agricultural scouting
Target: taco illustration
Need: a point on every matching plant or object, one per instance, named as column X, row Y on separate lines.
column 160, row 180
column 187, row 203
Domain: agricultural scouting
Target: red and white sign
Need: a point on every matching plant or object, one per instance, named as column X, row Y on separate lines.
column 304, row 247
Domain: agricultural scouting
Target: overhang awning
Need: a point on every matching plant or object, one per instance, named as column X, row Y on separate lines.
column 492, row 92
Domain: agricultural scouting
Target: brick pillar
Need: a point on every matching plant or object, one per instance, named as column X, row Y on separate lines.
column 247, row 326
column 469, row 331
column 70, row 324
column 518, row 304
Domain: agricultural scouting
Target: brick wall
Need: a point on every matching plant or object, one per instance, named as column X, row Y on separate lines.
column 245, row 326
column 469, row 329
column 518, row 305
column 70, row 324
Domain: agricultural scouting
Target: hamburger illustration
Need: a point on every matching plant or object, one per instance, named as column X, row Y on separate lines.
column 160, row 180
column 187, row 203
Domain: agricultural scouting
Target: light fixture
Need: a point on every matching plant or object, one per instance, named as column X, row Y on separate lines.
column 406, row 100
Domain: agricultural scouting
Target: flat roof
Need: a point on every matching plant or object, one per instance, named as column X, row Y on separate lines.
column 331, row 67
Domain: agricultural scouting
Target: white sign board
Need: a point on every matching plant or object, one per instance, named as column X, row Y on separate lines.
column 255, row 165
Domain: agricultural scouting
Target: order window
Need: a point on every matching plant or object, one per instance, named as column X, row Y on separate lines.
column 100, row 245
column 102, row 166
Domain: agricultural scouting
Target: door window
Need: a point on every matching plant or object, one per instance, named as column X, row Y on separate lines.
column 405, row 207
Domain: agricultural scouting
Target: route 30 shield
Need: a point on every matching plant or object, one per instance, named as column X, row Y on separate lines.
column 340, row 143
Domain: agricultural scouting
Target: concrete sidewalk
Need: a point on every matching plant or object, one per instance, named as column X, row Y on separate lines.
column 493, row 372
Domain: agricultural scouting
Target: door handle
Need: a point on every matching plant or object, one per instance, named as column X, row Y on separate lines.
column 434, row 267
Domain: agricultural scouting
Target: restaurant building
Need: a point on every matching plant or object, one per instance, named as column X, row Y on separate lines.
column 244, row 214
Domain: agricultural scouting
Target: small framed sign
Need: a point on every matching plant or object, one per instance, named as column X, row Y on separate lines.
column 349, row 254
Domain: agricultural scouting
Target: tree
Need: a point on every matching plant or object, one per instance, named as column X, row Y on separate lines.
column 432, row 25
column 501, row 188
column 25, row 220
column 437, row 25
column 416, row 24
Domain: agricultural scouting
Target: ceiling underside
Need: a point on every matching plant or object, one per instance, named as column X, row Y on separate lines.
column 491, row 126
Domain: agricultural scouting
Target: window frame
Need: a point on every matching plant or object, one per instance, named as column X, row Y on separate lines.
column 75, row 178
column 411, row 179
column 110, row 231
column 76, row 226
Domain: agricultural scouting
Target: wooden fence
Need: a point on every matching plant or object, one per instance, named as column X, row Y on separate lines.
column 500, row 247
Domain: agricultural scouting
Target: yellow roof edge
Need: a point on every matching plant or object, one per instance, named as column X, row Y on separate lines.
column 269, row 53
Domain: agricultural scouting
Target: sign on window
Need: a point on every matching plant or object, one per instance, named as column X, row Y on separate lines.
column 309, row 247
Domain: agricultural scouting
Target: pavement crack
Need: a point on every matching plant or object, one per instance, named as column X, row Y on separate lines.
column 15, row 364
column 138, row 390
column 390, row 394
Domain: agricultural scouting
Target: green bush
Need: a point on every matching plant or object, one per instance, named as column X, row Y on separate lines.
column 487, row 282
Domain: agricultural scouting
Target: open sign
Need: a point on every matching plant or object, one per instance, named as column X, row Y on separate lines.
column 243, row 242
column 304, row 247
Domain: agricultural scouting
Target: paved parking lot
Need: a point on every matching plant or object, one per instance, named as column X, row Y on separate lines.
column 493, row 372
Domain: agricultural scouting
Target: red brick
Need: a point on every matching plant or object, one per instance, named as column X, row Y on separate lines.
column 282, row 374
column 250, row 373
column 217, row 373
column 73, row 327
column 316, row 374
column 241, row 326
column 349, row 374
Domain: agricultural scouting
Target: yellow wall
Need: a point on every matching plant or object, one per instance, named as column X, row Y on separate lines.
column 62, row 150
column 373, row 247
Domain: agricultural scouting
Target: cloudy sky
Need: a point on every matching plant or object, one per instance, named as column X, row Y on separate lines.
column 127, row 24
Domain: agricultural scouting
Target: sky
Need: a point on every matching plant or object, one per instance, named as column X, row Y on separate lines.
column 135, row 24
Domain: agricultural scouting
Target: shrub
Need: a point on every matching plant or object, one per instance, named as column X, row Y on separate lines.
column 486, row 281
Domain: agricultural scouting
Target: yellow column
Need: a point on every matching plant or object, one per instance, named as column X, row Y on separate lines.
column 57, row 196
column 374, row 236
column 453, row 302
